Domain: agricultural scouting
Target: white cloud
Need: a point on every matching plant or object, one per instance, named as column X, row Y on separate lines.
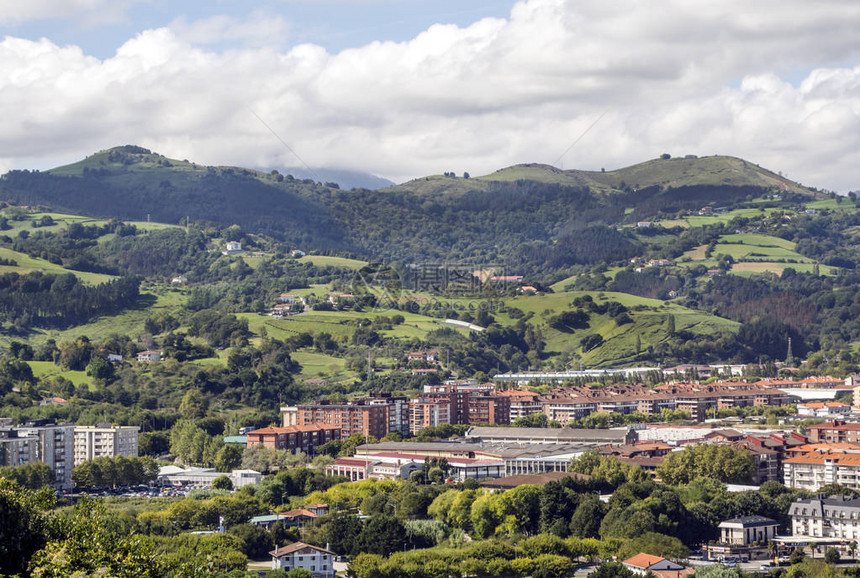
column 259, row 29
column 767, row 82
column 90, row 12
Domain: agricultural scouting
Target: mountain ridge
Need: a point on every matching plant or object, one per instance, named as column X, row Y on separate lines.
column 716, row 170
column 530, row 216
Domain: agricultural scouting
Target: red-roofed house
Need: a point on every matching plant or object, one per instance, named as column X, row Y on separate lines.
column 644, row 563
column 428, row 356
column 318, row 509
column 297, row 518
column 823, row 409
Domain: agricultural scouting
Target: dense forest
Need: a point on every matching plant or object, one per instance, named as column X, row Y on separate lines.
column 60, row 301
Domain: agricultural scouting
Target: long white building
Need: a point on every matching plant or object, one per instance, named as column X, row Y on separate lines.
column 813, row 470
column 833, row 517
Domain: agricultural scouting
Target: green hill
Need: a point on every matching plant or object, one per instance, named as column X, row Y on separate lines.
column 712, row 171
column 696, row 171
column 132, row 183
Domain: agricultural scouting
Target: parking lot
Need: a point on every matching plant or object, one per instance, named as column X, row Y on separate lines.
column 131, row 492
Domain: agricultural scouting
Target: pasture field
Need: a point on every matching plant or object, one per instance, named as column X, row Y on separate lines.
column 27, row 264
column 340, row 262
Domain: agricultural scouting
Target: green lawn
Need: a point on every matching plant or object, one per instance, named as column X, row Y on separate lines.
column 316, row 364
column 649, row 322
column 758, row 240
column 700, row 220
column 48, row 369
column 27, row 264
column 833, row 205
column 748, row 269
column 338, row 323
column 129, row 322
column 341, row 262
column 63, row 220
column 758, row 253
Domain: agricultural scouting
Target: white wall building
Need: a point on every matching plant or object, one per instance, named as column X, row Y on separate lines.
column 823, row 409
column 203, row 477
column 319, row 561
column 745, row 530
column 833, row 517
column 813, row 470
column 104, row 441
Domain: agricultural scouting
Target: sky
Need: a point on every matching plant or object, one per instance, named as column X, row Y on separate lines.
column 407, row 88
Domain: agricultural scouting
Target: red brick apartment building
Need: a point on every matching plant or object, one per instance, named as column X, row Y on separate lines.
column 489, row 410
column 836, row 431
column 367, row 420
column 295, row 438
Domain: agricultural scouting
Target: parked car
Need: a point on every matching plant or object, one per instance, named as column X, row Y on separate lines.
column 730, row 562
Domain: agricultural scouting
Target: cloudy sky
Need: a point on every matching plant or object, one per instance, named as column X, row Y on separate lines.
column 404, row 88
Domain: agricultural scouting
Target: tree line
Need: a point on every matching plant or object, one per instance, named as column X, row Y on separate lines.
column 58, row 301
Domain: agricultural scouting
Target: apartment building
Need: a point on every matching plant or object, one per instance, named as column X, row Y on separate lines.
column 295, row 438
column 835, row 517
column 429, row 412
column 836, row 431
column 318, row 561
column 55, row 446
column 486, row 409
column 105, row 441
column 355, row 417
column 574, row 403
column 17, row 449
column 522, row 402
column 813, row 470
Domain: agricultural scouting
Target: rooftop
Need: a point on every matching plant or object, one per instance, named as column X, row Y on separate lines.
column 271, row 430
column 749, row 522
column 296, row 546
column 643, row 560
column 531, row 479
column 565, row 434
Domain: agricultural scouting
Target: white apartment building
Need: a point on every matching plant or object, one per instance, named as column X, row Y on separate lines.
column 816, row 469
column 104, row 441
column 833, row 517
column 318, row 561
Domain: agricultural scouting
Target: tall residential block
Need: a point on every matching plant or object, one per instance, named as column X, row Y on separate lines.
column 105, row 441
